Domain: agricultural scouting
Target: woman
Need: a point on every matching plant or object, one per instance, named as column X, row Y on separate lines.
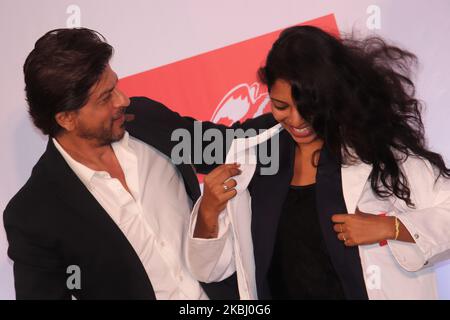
column 353, row 143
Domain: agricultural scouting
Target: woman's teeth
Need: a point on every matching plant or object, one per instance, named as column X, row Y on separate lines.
column 305, row 129
column 303, row 132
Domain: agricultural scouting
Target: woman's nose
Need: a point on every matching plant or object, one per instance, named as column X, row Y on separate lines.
column 293, row 117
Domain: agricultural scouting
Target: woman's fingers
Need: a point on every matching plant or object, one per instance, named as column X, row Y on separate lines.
column 340, row 218
column 339, row 227
column 343, row 235
column 345, row 238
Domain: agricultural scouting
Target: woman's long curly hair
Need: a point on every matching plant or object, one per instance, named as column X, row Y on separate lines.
column 359, row 98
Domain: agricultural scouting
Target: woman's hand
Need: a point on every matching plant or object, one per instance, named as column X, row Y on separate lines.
column 218, row 189
column 363, row 228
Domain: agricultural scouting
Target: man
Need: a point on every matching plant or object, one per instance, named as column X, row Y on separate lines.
column 104, row 214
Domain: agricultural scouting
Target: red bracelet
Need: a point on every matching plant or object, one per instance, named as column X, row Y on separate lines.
column 382, row 242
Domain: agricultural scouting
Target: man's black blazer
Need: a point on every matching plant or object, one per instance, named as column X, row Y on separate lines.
column 54, row 222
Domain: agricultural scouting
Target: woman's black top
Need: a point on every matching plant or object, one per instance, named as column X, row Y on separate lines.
column 301, row 267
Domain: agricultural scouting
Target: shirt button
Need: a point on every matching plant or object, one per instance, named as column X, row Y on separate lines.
column 416, row 236
column 162, row 244
column 426, row 262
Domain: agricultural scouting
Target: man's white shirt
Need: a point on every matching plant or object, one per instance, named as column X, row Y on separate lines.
column 154, row 217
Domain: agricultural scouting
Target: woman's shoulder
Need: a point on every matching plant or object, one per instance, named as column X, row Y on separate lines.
column 414, row 164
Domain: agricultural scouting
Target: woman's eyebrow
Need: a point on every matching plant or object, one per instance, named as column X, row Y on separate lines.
column 280, row 101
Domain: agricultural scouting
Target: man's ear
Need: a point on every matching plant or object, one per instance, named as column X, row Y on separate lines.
column 66, row 119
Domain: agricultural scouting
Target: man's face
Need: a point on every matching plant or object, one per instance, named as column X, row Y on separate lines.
column 102, row 119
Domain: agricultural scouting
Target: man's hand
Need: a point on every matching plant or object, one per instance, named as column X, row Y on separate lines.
column 218, row 188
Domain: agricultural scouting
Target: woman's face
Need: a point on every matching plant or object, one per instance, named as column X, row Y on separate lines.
column 285, row 112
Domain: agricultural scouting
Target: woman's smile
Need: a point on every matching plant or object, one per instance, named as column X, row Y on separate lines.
column 301, row 132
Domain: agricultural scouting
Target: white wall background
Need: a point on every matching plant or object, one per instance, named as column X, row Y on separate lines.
column 151, row 33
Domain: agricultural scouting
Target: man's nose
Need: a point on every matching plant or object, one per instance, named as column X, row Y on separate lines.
column 122, row 100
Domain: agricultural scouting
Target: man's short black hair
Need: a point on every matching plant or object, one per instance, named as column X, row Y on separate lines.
column 60, row 71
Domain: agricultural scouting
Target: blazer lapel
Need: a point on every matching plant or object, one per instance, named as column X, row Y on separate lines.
column 270, row 192
column 190, row 181
column 354, row 178
column 329, row 201
column 68, row 186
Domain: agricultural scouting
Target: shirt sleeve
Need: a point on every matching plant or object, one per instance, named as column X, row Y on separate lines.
column 210, row 260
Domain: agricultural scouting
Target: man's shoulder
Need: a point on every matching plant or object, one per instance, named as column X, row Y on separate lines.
column 139, row 105
column 150, row 113
column 31, row 197
column 141, row 100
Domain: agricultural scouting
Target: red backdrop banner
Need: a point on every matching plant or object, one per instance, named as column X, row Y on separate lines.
column 220, row 85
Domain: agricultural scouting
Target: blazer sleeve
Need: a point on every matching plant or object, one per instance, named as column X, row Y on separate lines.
column 429, row 222
column 152, row 117
column 38, row 271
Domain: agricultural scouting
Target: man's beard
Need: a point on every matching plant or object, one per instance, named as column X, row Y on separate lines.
column 103, row 135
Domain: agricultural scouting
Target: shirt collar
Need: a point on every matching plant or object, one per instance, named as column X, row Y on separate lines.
column 83, row 172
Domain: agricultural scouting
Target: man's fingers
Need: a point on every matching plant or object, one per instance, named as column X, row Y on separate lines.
column 219, row 171
column 227, row 173
column 220, row 174
column 227, row 186
column 220, row 188
column 230, row 184
column 230, row 194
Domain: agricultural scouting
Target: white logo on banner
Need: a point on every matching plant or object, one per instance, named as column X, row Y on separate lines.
column 74, row 20
column 374, row 20
column 243, row 101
